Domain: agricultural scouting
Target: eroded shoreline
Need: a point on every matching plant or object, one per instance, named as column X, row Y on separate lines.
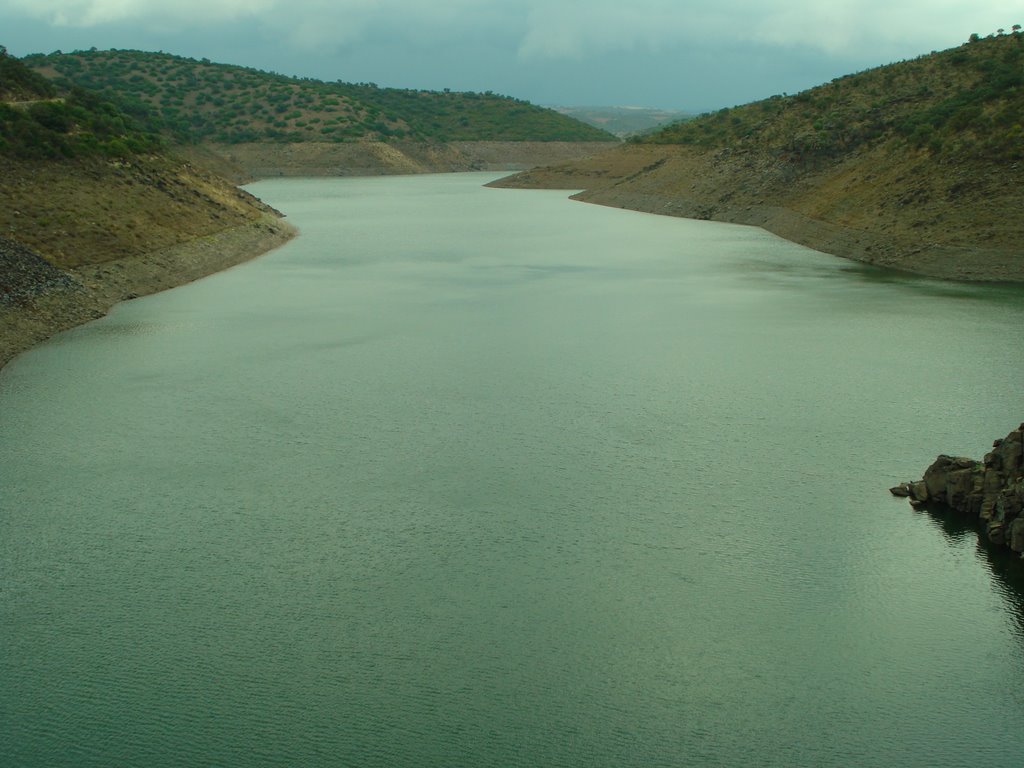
column 944, row 262
column 89, row 292
column 872, row 223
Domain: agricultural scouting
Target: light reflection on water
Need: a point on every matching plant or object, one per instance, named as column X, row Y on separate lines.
column 486, row 477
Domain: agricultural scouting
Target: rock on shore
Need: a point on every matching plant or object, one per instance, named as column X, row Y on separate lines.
column 24, row 274
column 991, row 490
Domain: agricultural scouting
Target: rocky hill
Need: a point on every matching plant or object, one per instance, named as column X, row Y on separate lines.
column 917, row 165
column 93, row 210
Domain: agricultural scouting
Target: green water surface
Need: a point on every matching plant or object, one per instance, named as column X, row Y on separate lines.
column 478, row 477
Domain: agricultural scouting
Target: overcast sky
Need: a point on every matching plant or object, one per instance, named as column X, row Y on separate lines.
column 693, row 55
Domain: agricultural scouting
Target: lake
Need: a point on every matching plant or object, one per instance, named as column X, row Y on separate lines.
column 479, row 477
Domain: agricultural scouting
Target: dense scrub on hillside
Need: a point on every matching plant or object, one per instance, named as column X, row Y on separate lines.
column 201, row 100
column 19, row 83
column 41, row 121
column 966, row 101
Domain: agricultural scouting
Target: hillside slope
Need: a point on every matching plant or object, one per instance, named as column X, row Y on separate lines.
column 93, row 211
column 917, row 165
column 260, row 160
column 226, row 104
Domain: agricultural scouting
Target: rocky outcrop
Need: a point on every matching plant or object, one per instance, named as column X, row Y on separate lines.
column 990, row 491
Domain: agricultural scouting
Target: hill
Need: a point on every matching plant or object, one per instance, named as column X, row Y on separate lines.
column 38, row 120
column 917, row 165
column 221, row 103
column 93, row 210
column 961, row 102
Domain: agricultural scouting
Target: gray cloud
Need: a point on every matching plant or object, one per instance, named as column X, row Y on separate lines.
column 575, row 28
column 703, row 52
column 566, row 28
column 92, row 13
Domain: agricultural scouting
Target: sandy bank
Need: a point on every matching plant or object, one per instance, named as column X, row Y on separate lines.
column 88, row 292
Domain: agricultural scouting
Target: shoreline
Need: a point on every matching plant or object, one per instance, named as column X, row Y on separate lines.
column 42, row 300
column 929, row 260
column 91, row 291
column 88, row 293
column 255, row 160
column 849, row 209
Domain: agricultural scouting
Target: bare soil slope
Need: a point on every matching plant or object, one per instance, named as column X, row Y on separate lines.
column 917, row 166
column 900, row 212
column 77, row 237
column 374, row 158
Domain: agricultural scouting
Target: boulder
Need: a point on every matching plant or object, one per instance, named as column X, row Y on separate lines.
column 959, row 486
column 919, row 490
column 988, row 508
column 996, row 532
column 936, row 477
column 993, row 480
column 991, row 490
column 1015, row 535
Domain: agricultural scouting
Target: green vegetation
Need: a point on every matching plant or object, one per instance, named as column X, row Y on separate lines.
column 963, row 102
column 19, row 83
column 39, row 120
column 202, row 101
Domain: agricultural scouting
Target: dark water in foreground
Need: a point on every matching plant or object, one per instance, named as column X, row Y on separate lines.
column 488, row 478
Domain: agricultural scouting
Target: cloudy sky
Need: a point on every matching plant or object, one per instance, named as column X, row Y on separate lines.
column 693, row 55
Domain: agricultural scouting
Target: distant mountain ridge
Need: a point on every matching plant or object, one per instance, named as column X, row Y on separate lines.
column 625, row 122
column 199, row 100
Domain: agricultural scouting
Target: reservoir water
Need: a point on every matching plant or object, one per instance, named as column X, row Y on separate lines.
column 477, row 477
